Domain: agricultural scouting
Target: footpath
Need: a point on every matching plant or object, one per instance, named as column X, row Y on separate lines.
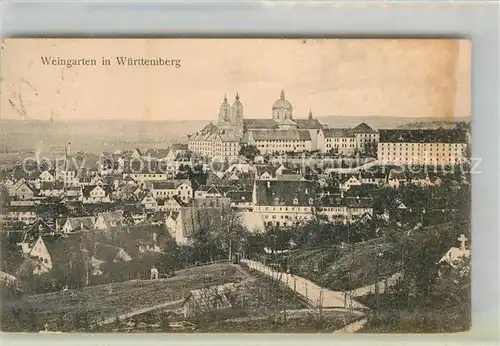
column 124, row 316
column 318, row 296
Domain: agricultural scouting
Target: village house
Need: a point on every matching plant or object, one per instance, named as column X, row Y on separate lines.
column 141, row 171
column 76, row 224
column 241, row 167
column 397, row 178
column 96, row 194
column 156, row 154
column 350, row 182
column 171, row 222
column 241, row 200
column 173, row 203
column 134, row 212
column 158, row 218
column 21, row 213
column 210, row 202
column 73, row 193
column 375, row 177
column 106, row 254
column 46, row 176
column 29, row 172
column 283, row 203
column 138, row 239
column 178, row 149
column 31, row 267
column 149, row 203
column 265, row 172
column 230, row 176
column 191, row 219
column 345, row 209
column 51, row 251
column 212, row 191
column 50, row 189
column 31, row 235
column 22, row 190
column 109, row 220
column 181, row 188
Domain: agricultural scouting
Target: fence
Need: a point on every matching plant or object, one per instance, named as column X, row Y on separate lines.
column 315, row 295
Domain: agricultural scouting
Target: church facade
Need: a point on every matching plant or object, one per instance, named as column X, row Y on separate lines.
column 279, row 134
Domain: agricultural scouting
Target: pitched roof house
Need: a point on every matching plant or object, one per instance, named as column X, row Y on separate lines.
column 108, row 220
column 75, row 224
column 105, row 254
column 56, row 250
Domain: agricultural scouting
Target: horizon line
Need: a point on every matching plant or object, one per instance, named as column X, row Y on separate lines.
column 215, row 120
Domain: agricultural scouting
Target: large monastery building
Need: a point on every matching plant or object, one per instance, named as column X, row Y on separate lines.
column 280, row 133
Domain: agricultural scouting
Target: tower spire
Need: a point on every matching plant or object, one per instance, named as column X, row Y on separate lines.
column 225, row 97
column 282, row 95
column 237, row 96
column 310, row 114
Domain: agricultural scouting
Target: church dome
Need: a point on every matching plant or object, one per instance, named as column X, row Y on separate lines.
column 282, row 103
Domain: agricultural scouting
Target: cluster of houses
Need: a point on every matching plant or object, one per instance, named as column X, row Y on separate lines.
column 112, row 239
column 49, row 208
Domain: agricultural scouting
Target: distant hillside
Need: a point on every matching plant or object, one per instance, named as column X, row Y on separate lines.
column 445, row 124
column 109, row 135
column 385, row 122
column 94, row 136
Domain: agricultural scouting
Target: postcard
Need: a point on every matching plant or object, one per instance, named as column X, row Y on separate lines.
column 235, row 185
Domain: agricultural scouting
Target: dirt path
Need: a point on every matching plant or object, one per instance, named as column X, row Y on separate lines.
column 317, row 295
column 142, row 311
column 391, row 281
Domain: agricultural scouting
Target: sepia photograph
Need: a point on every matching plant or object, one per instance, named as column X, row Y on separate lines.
column 235, row 185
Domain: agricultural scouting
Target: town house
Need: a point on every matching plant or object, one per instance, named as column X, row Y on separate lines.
column 180, row 188
column 96, row 194
column 109, row 220
column 75, row 224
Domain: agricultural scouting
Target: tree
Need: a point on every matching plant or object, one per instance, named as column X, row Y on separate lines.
column 230, row 235
column 371, row 148
column 249, row 151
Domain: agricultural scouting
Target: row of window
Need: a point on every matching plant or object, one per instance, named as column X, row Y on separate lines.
column 328, row 145
column 341, row 140
column 431, row 155
column 423, row 144
column 295, row 209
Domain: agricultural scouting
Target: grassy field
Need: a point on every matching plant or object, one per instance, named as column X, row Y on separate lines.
column 106, row 301
column 429, row 320
column 307, row 322
column 257, row 299
column 340, row 268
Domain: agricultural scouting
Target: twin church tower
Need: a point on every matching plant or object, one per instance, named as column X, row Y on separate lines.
column 232, row 115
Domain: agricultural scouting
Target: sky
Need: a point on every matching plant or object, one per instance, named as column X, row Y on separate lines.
column 345, row 77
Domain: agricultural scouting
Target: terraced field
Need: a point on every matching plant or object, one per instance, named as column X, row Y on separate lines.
column 106, row 301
